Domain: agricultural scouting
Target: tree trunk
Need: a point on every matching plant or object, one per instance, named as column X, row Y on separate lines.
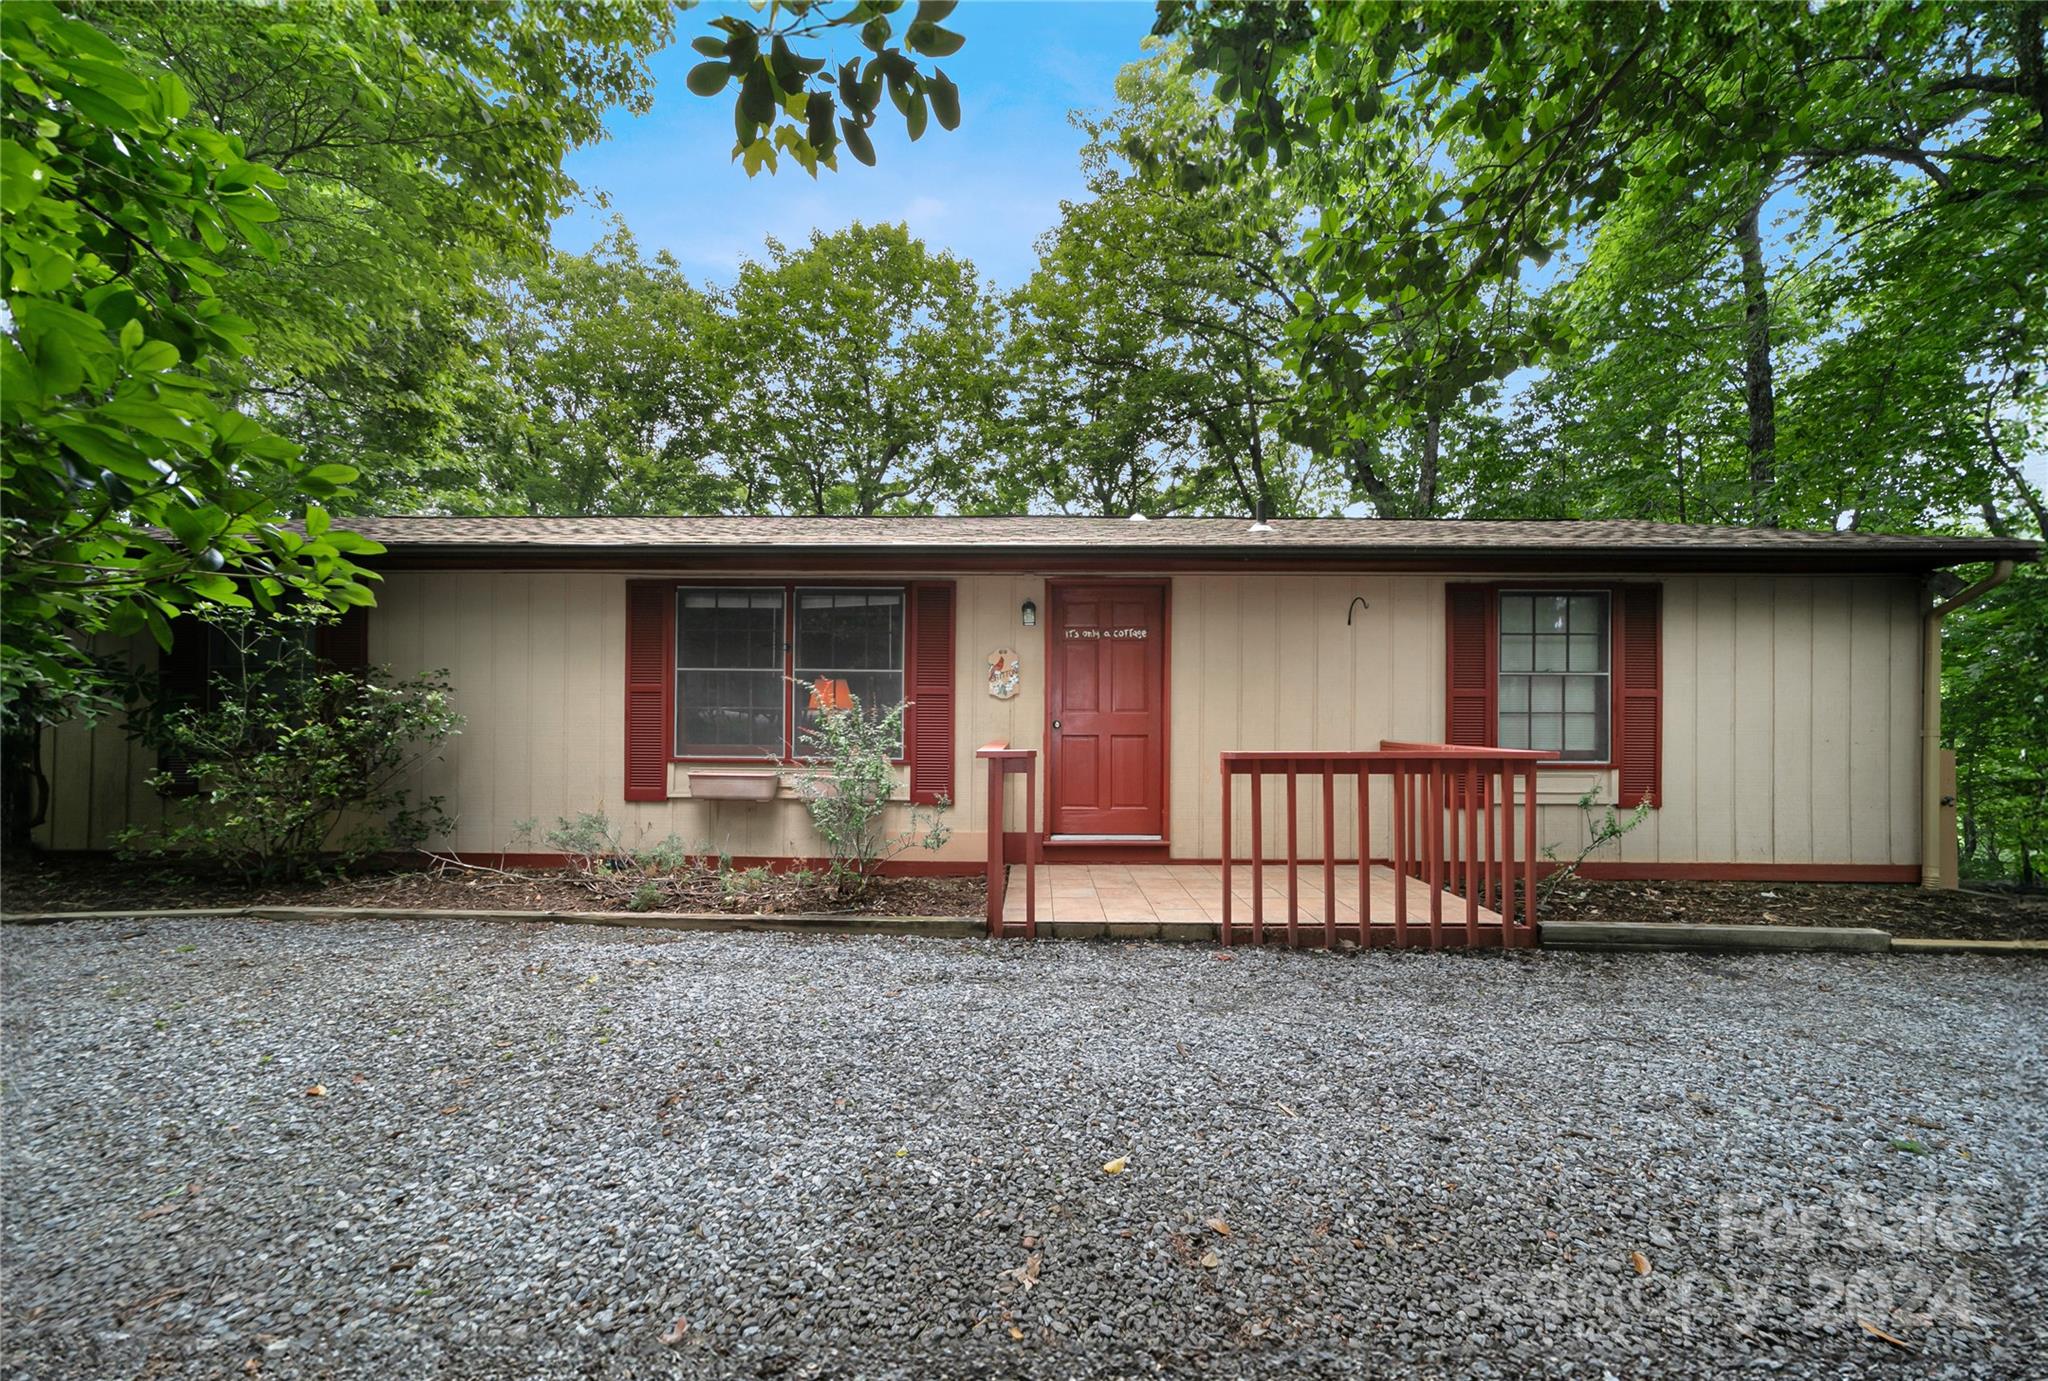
column 1761, row 397
column 1425, row 476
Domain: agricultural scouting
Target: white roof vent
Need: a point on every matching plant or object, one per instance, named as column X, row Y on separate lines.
column 1139, row 518
column 1259, row 523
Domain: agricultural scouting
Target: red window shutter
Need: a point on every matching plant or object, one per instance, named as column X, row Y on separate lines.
column 1469, row 657
column 1639, row 694
column 650, row 608
column 344, row 644
column 928, row 731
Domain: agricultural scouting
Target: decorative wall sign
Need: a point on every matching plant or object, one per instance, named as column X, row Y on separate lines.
column 1005, row 674
column 1120, row 634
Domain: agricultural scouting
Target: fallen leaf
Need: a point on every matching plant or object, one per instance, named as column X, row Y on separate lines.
column 1906, row 1143
column 317, row 1091
column 253, row 1367
column 1640, row 1262
column 1016, row 1334
column 1116, row 1167
column 1211, row 1260
column 1226, row 958
column 675, row 1333
column 1929, row 1123
column 357, row 1079
column 1874, row 1331
column 1025, row 1275
column 1217, row 1226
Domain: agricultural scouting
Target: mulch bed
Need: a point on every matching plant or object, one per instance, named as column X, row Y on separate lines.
column 40, row 883
column 1966, row 914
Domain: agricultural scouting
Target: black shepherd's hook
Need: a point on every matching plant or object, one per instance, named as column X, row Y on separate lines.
column 1352, row 612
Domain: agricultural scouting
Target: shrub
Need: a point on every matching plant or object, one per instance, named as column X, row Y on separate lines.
column 847, row 786
column 293, row 763
column 1601, row 830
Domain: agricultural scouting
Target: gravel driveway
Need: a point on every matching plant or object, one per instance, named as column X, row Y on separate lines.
column 572, row 1151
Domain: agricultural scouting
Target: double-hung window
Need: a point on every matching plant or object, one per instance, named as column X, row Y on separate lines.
column 1553, row 691
column 756, row 664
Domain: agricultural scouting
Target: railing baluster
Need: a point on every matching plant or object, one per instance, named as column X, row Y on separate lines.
column 1329, row 855
column 1529, row 854
column 1293, row 863
column 1228, row 844
column 1258, row 860
column 1364, row 857
column 1435, row 817
column 1469, row 784
column 1030, row 848
column 1401, row 847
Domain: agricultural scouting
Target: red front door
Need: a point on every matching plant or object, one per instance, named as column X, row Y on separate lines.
column 1107, row 762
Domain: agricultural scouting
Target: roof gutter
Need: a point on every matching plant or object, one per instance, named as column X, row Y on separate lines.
column 1932, row 847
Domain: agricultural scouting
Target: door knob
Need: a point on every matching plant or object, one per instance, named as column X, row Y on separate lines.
column 1055, row 725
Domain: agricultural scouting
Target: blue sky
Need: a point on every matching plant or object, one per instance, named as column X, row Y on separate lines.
column 984, row 191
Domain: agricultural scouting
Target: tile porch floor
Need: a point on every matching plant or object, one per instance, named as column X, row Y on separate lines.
column 1194, row 892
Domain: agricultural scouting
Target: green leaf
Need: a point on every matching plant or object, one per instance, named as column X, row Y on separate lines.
column 945, row 100
column 708, row 78
column 857, row 141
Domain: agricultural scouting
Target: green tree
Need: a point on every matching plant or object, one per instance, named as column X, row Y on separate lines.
column 607, row 370
column 421, row 148
column 863, row 376
column 131, row 490
column 1924, row 121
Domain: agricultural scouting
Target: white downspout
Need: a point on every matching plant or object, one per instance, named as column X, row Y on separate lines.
column 1931, row 847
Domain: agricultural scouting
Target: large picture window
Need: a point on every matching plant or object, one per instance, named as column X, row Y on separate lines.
column 1553, row 690
column 754, row 666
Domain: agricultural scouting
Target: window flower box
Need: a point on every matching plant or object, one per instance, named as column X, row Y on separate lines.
column 734, row 786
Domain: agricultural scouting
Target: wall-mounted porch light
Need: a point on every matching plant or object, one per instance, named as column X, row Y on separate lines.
column 1030, row 612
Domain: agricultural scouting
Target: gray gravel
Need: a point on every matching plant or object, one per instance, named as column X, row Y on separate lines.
column 545, row 1150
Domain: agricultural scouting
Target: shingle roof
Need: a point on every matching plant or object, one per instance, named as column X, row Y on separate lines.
column 1226, row 538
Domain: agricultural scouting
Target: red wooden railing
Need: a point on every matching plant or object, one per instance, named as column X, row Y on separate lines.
column 1003, row 760
column 1453, row 831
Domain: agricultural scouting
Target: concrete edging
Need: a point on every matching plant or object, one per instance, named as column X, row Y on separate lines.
column 1908, row 945
column 821, row 922
column 1683, row 935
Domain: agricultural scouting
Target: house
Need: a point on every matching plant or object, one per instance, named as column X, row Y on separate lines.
column 1766, row 692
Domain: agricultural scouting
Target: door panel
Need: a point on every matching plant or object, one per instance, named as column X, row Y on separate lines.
column 1107, row 694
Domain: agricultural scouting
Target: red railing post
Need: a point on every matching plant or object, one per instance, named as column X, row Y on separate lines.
column 1402, row 837
column 1329, row 855
column 1227, row 847
column 1030, row 848
column 1507, row 850
column 998, row 876
column 1364, row 856
column 1529, row 851
column 1434, row 828
column 1258, row 858
column 1468, row 777
column 1293, row 864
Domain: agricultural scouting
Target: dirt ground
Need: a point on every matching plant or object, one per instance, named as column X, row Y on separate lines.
column 41, row 883
column 1965, row 914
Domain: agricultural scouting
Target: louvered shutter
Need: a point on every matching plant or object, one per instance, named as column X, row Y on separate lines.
column 649, row 614
column 344, row 644
column 182, row 682
column 928, row 730
column 1639, row 694
column 1468, row 664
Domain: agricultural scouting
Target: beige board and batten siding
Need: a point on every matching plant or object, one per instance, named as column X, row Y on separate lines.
column 1790, row 712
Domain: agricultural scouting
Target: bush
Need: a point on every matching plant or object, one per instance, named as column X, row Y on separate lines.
column 293, row 763
column 847, row 787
